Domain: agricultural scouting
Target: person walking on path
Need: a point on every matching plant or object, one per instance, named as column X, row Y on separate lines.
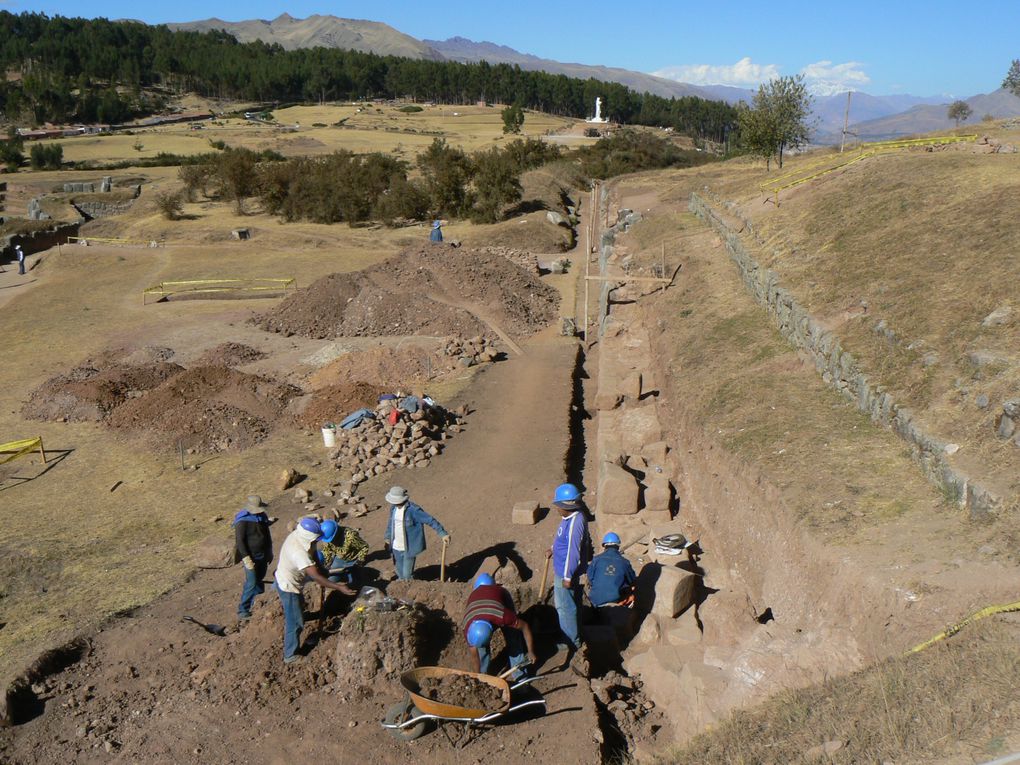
column 436, row 234
column 405, row 531
column 253, row 548
column 20, row 254
column 610, row 576
column 490, row 607
column 295, row 567
column 570, row 552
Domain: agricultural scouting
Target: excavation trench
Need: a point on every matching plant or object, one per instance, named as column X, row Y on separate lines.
column 756, row 605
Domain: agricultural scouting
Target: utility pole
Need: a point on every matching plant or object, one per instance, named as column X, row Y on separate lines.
column 846, row 121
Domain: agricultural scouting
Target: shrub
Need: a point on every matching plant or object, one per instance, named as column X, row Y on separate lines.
column 170, row 204
column 410, row 109
column 46, row 156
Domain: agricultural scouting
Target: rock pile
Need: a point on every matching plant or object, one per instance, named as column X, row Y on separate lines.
column 476, row 350
column 375, row 446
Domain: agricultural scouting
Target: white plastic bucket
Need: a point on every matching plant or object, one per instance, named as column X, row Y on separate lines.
column 329, row 436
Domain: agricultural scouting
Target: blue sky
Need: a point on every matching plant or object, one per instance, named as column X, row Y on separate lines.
column 896, row 46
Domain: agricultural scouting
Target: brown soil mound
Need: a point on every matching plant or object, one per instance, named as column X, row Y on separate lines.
column 462, row 691
column 208, row 408
column 91, row 391
column 334, row 402
column 424, row 291
column 230, row 355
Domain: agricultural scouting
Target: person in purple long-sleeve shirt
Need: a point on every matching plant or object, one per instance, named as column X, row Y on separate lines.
column 570, row 552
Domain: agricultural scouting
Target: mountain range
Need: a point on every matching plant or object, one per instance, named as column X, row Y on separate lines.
column 871, row 117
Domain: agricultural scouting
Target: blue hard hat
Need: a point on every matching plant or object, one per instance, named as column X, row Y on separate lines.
column 479, row 633
column 566, row 494
column 612, row 538
column 329, row 529
column 312, row 525
column 483, row 579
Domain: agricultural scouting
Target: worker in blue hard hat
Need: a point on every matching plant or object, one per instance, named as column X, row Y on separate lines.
column 296, row 565
column 570, row 553
column 490, row 607
column 340, row 551
column 611, row 577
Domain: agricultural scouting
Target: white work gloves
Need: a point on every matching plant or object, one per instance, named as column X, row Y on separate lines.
column 248, row 563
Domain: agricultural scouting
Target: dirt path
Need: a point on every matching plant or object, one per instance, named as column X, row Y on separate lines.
column 143, row 693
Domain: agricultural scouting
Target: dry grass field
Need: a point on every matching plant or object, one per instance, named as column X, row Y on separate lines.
column 315, row 130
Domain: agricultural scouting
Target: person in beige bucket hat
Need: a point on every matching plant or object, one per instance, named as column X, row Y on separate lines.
column 405, row 530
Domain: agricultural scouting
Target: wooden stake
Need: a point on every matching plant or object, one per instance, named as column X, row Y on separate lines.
column 180, row 448
column 442, row 561
column 545, row 581
column 42, row 451
column 663, row 271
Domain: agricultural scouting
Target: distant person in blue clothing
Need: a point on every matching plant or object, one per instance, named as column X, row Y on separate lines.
column 405, row 531
column 570, row 553
column 436, row 235
column 610, row 576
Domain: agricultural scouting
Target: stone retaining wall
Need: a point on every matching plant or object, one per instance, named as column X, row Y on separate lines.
column 842, row 371
column 37, row 241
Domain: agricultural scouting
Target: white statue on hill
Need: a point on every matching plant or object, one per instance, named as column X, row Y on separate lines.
column 598, row 112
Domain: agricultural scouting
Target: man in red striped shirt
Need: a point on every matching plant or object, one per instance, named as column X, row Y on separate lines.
column 490, row 607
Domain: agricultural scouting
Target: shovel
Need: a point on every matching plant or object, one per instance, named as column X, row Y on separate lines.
column 212, row 629
column 442, row 561
column 545, row 581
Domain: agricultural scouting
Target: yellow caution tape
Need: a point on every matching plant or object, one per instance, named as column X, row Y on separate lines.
column 977, row 615
column 20, row 448
column 194, row 286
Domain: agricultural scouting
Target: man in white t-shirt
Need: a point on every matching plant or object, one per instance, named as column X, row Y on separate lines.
column 295, row 566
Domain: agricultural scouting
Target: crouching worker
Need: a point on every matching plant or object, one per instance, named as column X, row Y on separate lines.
column 490, row 607
column 340, row 551
column 296, row 565
column 610, row 575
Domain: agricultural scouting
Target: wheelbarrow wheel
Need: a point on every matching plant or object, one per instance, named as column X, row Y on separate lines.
column 402, row 712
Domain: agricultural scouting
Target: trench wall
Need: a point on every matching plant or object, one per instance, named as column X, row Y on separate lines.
column 37, row 241
column 842, row 371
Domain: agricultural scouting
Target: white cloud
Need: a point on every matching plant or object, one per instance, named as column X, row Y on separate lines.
column 823, row 78
column 745, row 73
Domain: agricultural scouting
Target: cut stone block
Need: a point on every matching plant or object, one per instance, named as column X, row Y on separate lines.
column 525, row 513
column 656, row 452
column 488, row 566
column 658, row 492
column 631, row 386
column 665, row 591
column 617, row 491
column 607, row 400
column 684, row 630
column 649, row 633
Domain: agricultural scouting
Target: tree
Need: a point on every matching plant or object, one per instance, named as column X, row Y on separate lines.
column 236, row 171
column 170, row 204
column 496, row 185
column 513, row 118
column 446, row 172
column 1012, row 81
column 777, row 119
column 959, row 111
column 46, row 157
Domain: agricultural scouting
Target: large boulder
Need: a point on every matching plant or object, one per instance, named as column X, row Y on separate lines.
column 215, row 551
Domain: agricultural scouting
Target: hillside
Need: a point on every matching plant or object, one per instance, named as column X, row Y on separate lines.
column 320, row 31
column 930, row 117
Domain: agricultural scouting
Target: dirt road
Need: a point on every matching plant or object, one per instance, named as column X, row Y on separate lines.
column 154, row 689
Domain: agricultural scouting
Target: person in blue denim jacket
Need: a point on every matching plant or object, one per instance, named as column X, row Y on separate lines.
column 405, row 531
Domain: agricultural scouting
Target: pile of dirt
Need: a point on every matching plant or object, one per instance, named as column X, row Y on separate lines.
column 424, row 291
column 407, row 367
column 209, row 408
column 462, row 691
column 230, row 355
column 94, row 389
column 334, row 402
column 375, row 647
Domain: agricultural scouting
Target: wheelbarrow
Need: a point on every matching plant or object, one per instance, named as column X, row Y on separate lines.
column 410, row 718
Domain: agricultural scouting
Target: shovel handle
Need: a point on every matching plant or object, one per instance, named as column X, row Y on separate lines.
column 545, row 581
column 442, row 560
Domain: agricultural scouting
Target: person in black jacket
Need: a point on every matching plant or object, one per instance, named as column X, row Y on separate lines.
column 253, row 547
